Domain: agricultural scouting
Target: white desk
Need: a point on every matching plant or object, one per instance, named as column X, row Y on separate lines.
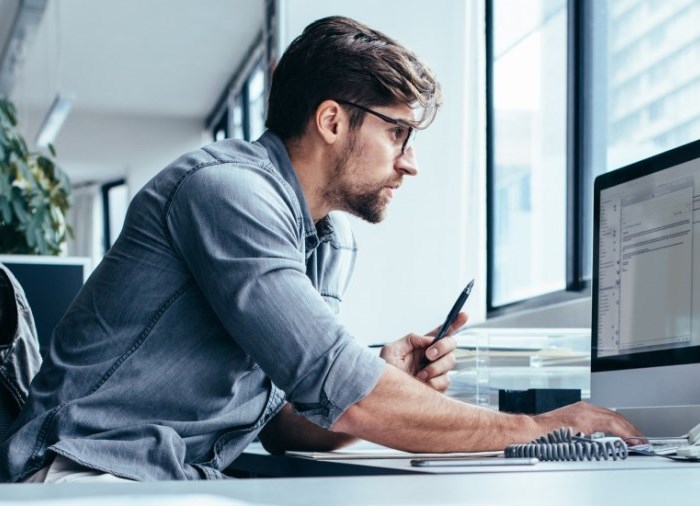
column 674, row 485
column 256, row 462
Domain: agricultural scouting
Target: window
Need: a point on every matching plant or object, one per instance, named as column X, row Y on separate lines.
column 256, row 102
column 575, row 89
column 650, row 104
column 528, row 125
column 242, row 115
column 221, row 129
column 236, row 112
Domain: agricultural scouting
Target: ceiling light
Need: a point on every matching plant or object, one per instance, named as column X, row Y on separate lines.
column 58, row 112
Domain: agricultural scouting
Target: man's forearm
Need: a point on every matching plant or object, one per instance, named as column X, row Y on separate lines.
column 403, row 413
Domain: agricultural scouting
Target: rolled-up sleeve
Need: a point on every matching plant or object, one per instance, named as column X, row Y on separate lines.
column 238, row 230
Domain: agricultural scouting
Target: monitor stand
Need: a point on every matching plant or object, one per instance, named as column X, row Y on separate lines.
column 662, row 421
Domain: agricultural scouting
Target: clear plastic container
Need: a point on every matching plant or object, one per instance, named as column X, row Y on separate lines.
column 490, row 359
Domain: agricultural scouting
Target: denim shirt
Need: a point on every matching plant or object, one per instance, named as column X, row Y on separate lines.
column 217, row 302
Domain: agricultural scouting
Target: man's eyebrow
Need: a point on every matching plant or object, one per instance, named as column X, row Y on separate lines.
column 407, row 122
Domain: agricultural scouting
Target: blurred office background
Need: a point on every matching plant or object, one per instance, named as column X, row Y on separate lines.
column 540, row 96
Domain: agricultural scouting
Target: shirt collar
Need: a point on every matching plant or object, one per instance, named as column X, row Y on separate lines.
column 280, row 159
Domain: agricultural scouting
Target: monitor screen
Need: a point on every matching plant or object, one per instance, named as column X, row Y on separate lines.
column 646, row 284
column 50, row 284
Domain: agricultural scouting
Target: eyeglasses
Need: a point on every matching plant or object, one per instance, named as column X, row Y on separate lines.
column 404, row 134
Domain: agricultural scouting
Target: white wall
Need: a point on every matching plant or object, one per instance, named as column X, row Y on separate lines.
column 412, row 266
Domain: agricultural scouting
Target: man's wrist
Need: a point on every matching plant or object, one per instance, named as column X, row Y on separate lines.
column 527, row 428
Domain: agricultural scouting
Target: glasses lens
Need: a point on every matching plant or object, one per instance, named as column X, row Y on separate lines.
column 410, row 136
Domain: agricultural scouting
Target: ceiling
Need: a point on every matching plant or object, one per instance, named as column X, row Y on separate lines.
column 8, row 11
column 155, row 58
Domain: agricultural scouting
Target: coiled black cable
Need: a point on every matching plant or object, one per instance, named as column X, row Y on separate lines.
column 563, row 444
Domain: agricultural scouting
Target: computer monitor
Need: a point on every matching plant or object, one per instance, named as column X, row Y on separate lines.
column 50, row 284
column 645, row 359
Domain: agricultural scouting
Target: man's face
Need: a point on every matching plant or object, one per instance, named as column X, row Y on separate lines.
column 370, row 166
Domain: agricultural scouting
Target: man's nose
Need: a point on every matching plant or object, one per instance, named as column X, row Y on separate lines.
column 407, row 163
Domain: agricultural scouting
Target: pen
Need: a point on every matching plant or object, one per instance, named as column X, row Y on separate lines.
column 454, row 311
column 494, row 461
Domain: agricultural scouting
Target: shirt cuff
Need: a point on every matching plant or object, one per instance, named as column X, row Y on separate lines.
column 353, row 375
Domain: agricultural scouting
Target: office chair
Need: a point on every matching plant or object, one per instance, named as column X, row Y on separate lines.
column 19, row 350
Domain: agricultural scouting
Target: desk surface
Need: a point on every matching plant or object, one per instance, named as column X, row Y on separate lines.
column 674, row 485
column 256, row 462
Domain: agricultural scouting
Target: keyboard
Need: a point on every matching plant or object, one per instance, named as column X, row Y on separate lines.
column 661, row 446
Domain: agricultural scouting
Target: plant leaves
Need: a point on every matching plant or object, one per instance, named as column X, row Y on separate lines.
column 29, row 235
column 34, row 193
column 5, row 185
column 8, row 110
column 5, row 210
column 11, row 112
column 21, row 213
column 40, row 241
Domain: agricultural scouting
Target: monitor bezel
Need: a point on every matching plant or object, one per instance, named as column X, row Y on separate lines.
column 676, row 356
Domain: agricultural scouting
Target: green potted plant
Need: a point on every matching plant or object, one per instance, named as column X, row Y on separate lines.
column 34, row 194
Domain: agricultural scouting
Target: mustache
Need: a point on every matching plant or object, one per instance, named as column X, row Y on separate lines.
column 394, row 182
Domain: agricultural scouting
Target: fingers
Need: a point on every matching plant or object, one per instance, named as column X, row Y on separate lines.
column 623, row 428
column 398, row 350
column 459, row 322
column 423, row 358
column 418, row 342
column 440, row 349
column 610, row 422
column 439, row 383
column 588, row 418
column 438, row 367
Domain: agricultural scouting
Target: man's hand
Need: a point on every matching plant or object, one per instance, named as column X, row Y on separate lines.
column 419, row 357
column 588, row 418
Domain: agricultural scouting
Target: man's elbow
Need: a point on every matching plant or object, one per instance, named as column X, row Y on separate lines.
column 272, row 446
column 350, row 422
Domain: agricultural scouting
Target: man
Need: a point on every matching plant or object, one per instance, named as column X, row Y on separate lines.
column 213, row 317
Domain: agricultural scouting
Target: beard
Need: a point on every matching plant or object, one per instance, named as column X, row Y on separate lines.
column 367, row 204
column 364, row 200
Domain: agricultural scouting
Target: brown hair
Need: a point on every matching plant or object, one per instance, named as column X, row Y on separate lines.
column 339, row 58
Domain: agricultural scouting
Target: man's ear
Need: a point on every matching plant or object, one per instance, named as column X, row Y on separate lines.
column 330, row 121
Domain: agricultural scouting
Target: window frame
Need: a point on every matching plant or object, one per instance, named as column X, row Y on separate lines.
column 107, row 239
column 220, row 119
column 262, row 53
column 577, row 168
column 221, row 124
